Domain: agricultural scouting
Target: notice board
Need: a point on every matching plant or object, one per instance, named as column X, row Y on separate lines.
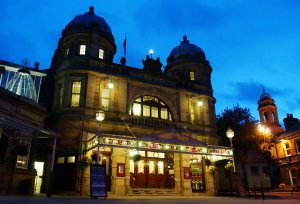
column 98, row 181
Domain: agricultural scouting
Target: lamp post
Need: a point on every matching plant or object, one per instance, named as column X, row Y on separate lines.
column 230, row 135
column 100, row 115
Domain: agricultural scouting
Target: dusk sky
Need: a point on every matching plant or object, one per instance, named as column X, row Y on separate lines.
column 248, row 43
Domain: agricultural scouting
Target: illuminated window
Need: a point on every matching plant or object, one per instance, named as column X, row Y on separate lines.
column 101, row 54
column 131, row 166
column 150, row 106
column 71, row 159
column 60, row 94
column 146, row 111
column 136, row 109
column 75, row 95
column 160, row 167
column 151, row 167
column 287, row 149
column 60, row 160
column 82, row 49
column 192, row 76
column 22, row 160
column 298, row 146
column 141, row 166
column 67, row 52
column 105, row 98
column 192, row 111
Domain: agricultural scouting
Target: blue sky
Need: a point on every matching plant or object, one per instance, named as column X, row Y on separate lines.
column 248, row 43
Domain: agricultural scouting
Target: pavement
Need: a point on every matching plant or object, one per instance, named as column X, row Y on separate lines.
column 270, row 198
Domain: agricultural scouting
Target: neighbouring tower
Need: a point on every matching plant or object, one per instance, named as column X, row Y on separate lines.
column 268, row 113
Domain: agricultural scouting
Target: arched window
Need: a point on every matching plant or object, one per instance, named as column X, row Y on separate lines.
column 150, row 106
column 266, row 116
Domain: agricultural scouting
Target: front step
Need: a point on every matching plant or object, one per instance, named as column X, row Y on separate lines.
column 153, row 192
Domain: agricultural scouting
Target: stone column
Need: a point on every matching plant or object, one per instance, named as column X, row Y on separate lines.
column 186, row 188
column 127, row 171
column 85, row 181
column 177, row 173
column 117, row 183
column 209, row 181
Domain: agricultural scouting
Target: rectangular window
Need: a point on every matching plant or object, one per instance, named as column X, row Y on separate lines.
column 192, row 112
column 141, row 166
column 151, row 167
column 298, row 146
column 75, row 95
column 254, row 171
column 192, row 76
column 164, row 113
column 287, row 149
column 105, row 98
column 136, row 109
column 101, row 54
column 131, row 166
column 71, row 159
column 154, row 112
column 22, row 160
column 60, row 160
column 82, row 49
column 146, row 110
column 160, row 167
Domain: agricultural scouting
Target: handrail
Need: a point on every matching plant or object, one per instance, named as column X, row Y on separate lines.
column 174, row 178
column 133, row 182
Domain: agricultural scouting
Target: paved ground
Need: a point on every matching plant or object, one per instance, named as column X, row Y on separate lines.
column 271, row 198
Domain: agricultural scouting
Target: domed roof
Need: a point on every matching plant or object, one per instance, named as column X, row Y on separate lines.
column 264, row 95
column 186, row 52
column 22, row 84
column 87, row 22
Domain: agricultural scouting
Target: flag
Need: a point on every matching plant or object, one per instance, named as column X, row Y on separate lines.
column 124, row 45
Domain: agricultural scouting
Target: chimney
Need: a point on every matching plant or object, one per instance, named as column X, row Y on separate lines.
column 36, row 65
column 291, row 123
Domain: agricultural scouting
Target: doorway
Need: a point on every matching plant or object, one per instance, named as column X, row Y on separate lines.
column 39, row 167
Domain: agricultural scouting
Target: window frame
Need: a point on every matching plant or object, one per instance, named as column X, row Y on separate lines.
column 82, row 49
column 75, row 94
column 192, row 76
column 101, row 53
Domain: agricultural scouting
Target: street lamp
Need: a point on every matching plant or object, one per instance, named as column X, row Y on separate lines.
column 100, row 115
column 230, row 135
column 265, row 131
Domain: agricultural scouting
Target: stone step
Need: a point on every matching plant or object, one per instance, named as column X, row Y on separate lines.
column 153, row 191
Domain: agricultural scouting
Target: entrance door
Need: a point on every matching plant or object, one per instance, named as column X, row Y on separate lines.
column 151, row 171
column 39, row 167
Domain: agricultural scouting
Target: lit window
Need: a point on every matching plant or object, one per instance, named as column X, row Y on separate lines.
column 131, row 166
column 75, row 95
column 150, row 106
column 136, row 109
column 160, row 167
column 154, row 112
column 60, row 160
column 192, row 112
column 146, row 111
column 298, row 145
column 67, row 51
column 101, row 54
column 22, row 162
column 192, row 76
column 105, row 98
column 71, row 159
column 82, row 49
column 141, row 166
column 287, row 149
column 164, row 113
column 151, row 167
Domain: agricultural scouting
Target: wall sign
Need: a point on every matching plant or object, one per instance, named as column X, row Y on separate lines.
column 187, row 172
column 120, row 169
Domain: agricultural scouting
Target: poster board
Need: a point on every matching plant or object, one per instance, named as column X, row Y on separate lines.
column 98, row 181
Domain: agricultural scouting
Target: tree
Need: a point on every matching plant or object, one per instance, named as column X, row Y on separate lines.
column 243, row 124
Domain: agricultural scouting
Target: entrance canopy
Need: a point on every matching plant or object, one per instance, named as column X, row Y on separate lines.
column 165, row 142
